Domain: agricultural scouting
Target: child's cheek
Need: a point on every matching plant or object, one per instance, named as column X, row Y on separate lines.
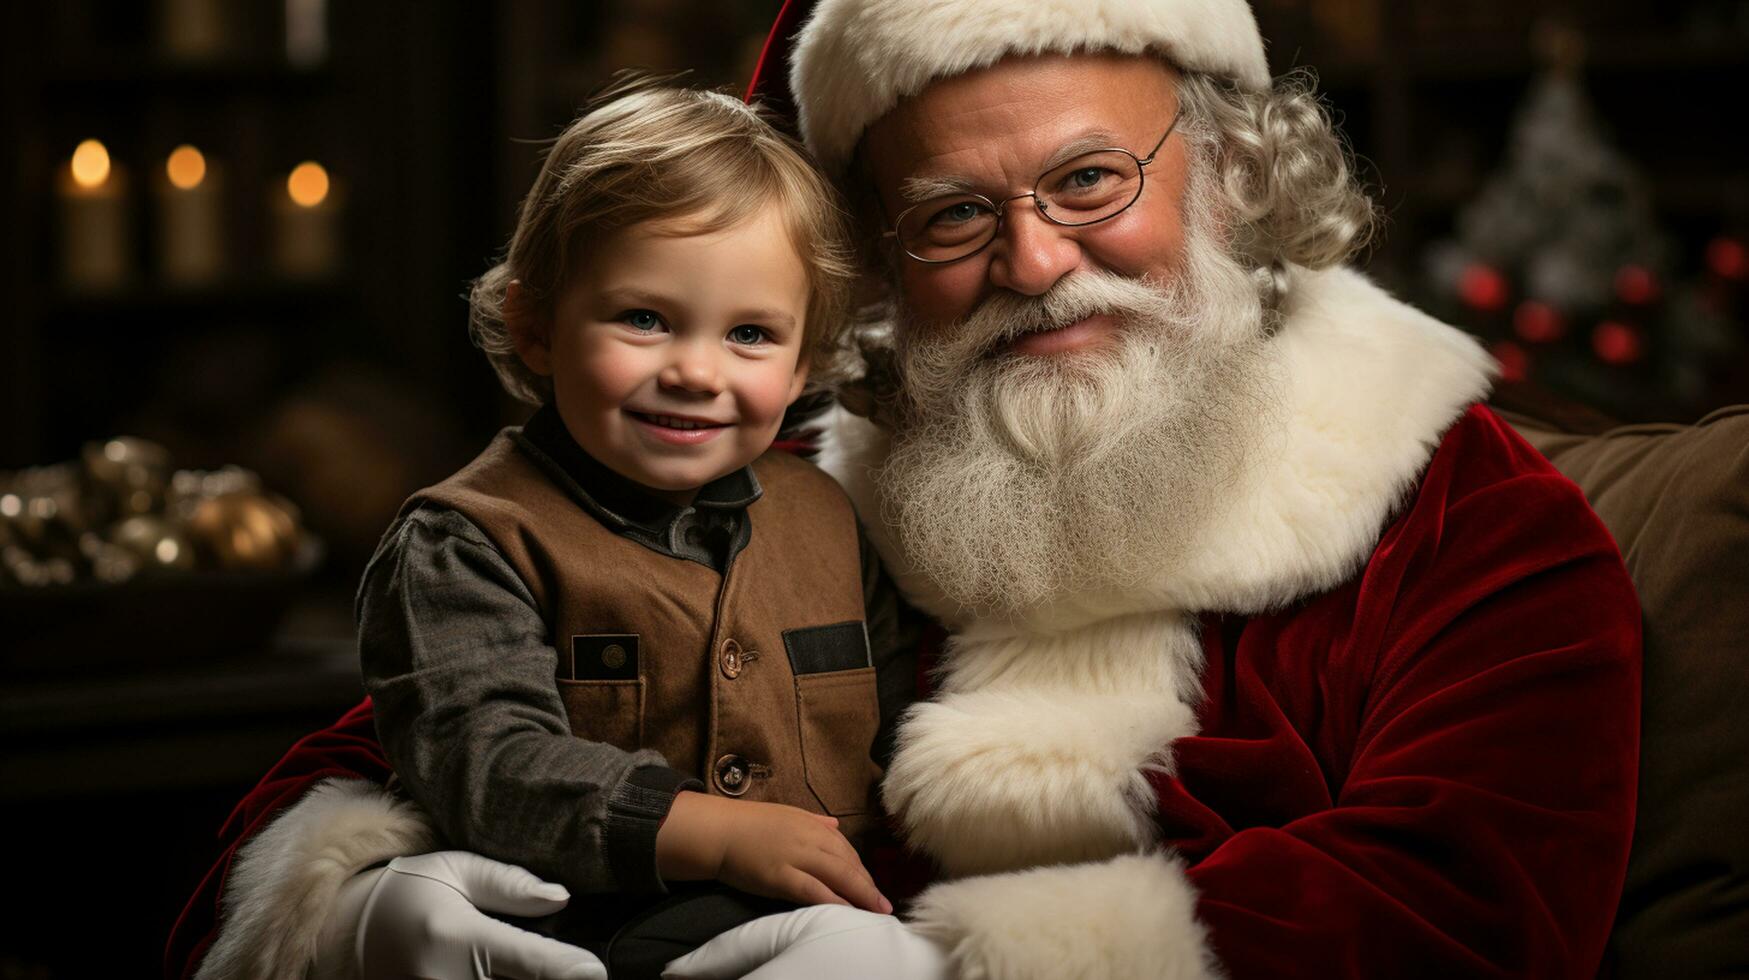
column 767, row 400
column 612, row 373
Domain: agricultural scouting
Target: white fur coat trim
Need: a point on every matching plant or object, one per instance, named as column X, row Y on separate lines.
column 855, row 59
column 1037, row 749
column 1375, row 384
column 284, row 880
column 1127, row 918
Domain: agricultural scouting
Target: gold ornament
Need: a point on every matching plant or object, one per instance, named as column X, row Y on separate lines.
column 158, row 544
column 246, row 530
column 126, row 476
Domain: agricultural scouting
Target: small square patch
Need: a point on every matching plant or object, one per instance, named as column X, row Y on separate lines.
column 603, row 657
column 823, row 649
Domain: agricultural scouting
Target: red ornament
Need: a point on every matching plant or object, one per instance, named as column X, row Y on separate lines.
column 1536, row 322
column 1635, row 285
column 1514, row 360
column 1727, row 258
column 1617, row 343
column 1482, row 287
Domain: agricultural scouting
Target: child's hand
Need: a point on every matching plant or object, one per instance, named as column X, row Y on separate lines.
column 766, row 849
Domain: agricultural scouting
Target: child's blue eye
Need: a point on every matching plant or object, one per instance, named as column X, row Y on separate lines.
column 747, row 334
column 641, row 319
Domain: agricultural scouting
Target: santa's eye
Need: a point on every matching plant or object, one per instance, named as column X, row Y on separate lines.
column 958, row 213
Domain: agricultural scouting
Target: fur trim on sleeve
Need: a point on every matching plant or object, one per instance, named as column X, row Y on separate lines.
column 1128, row 918
column 283, row 882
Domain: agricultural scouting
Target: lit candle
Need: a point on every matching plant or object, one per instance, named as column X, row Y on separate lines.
column 306, row 213
column 306, row 32
column 190, row 218
column 95, row 230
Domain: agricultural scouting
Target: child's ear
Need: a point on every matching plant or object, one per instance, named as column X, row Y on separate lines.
column 800, row 382
column 528, row 330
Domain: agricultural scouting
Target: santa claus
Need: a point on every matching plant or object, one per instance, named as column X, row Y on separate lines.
column 1272, row 653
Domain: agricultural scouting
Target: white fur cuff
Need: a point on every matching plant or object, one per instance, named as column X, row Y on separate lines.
column 283, row 881
column 1129, row 918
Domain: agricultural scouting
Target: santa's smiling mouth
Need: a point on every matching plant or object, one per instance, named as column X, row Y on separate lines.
column 1096, row 330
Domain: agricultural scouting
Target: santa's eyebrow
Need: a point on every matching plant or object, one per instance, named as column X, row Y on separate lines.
column 917, row 189
column 1098, row 139
column 931, row 186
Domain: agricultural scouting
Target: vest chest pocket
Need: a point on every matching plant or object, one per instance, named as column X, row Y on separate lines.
column 603, row 692
column 839, row 712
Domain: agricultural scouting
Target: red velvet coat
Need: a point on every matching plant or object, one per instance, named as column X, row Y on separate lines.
column 1430, row 770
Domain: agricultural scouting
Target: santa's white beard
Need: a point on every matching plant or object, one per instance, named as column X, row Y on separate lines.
column 1016, row 480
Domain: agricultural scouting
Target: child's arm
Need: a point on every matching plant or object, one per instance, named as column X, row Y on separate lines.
column 766, row 849
column 456, row 659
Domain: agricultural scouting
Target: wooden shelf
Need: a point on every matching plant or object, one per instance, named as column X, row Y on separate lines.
column 1680, row 194
column 265, row 298
column 1437, row 62
column 207, row 79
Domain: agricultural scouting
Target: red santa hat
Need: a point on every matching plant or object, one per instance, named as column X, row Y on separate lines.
column 848, row 62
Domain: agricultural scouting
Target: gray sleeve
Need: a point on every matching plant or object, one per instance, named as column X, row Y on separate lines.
column 457, row 661
column 894, row 630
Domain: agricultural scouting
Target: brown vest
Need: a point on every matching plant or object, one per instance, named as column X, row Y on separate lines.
column 757, row 681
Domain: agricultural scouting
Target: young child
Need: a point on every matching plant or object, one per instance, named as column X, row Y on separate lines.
column 627, row 646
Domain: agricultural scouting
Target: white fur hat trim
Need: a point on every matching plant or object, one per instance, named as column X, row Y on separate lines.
column 855, row 59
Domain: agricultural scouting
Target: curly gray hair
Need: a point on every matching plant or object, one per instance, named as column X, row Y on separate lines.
column 1285, row 171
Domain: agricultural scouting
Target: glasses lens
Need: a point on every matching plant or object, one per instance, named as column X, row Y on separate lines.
column 1091, row 187
column 946, row 228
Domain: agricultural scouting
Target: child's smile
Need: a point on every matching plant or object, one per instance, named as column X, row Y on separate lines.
column 677, row 429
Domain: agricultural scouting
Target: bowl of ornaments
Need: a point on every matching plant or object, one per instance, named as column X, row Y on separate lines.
column 118, row 557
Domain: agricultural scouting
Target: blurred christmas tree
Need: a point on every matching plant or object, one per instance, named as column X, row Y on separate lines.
column 1561, row 266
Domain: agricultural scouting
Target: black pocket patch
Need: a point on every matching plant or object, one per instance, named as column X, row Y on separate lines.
column 822, row 649
column 603, row 657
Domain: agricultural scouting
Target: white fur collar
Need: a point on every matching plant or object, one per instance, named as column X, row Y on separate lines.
column 1034, row 750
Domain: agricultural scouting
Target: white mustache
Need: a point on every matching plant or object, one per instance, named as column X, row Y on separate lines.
column 1007, row 316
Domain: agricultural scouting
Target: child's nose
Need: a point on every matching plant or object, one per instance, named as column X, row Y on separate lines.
column 692, row 369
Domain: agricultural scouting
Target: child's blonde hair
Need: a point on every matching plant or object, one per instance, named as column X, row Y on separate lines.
column 645, row 149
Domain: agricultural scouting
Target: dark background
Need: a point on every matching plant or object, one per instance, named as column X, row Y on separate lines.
column 124, row 751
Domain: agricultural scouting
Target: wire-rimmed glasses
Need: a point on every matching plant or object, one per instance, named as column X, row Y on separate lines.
column 1095, row 186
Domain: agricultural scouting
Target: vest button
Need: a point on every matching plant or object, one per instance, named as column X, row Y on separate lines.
column 732, row 774
column 731, row 660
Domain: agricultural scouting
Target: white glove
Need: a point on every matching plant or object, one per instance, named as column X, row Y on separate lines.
column 421, row 917
column 818, row 941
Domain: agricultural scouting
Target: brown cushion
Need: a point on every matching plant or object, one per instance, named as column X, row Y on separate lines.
column 1676, row 497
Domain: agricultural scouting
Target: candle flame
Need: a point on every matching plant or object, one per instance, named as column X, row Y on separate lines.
column 90, row 164
column 308, row 184
column 186, row 167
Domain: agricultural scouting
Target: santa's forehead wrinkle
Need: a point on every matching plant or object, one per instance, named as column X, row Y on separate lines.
column 1005, row 146
column 1008, row 121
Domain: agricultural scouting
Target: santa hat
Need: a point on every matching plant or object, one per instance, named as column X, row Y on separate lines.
column 848, row 62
